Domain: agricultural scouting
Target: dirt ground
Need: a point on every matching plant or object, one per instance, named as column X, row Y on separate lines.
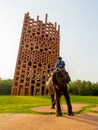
column 87, row 121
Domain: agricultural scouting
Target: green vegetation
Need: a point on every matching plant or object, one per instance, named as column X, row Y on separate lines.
column 83, row 88
column 24, row 104
column 5, row 86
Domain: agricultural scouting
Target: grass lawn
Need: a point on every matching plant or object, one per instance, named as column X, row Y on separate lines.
column 24, row 104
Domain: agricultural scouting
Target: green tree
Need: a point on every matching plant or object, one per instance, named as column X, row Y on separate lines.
column 83, row 88
column 5, row 86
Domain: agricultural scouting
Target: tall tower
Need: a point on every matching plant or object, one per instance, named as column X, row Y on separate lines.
column 38, row 51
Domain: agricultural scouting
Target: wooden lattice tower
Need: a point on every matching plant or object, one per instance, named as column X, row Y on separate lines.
column 38, row 52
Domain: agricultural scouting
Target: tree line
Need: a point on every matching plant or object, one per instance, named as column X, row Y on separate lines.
column 84, row 88
column 77, row 87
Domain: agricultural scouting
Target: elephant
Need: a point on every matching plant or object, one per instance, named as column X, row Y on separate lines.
column 57, row 86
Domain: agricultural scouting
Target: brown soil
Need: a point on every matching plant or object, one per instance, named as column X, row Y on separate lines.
column 95, row 109
column 87, row 121
column 47, row 109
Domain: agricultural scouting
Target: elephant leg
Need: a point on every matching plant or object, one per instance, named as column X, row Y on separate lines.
column 53, row 101
column 58, row 107
column 67, row 98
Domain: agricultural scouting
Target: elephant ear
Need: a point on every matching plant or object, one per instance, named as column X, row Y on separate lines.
column 61, row 78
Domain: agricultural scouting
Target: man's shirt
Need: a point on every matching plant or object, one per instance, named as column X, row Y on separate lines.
column 60, row 64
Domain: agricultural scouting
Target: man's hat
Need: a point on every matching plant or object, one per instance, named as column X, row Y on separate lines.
column 59, row 57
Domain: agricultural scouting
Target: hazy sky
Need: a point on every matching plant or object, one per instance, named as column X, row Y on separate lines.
column 78, row 20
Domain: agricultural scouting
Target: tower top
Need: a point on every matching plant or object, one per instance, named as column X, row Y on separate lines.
column 46, row 20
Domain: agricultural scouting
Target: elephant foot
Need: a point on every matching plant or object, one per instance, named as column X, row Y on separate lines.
column 53, row 107
column 58, row 114
column 70, row 114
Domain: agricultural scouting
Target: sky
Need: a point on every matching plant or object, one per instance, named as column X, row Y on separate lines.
column 78, row 20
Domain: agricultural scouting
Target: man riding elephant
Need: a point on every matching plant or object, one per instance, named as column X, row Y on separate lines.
column 60, row 64
column 60, row 79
